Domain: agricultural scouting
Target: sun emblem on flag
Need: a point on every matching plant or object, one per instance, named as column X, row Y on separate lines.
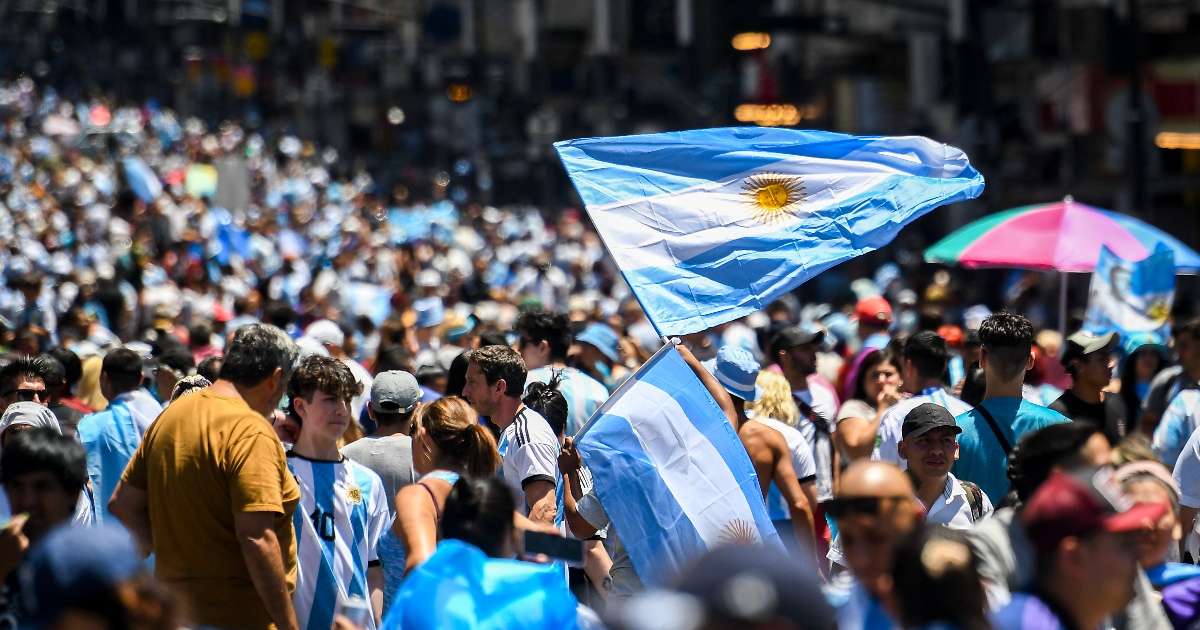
column 354, row 493
column 772, row 197
column 739, row 532
column 1159, row 310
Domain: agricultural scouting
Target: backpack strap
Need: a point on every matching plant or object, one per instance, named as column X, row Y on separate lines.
column 822, row 425
column 987, row 415
column 818, row 420
column 974, row 499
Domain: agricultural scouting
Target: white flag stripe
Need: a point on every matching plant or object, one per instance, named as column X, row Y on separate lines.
column 708, row 492
column 663, row 230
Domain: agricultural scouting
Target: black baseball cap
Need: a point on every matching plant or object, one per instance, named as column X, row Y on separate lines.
column 925, row 418
column 793, row 336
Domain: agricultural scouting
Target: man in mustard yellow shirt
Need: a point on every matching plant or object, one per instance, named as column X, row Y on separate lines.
column 210, row 494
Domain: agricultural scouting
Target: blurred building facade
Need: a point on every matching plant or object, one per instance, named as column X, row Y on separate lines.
column 1038, row 92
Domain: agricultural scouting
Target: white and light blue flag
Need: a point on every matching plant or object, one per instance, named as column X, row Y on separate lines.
column 671, row 472
column 1128, row 296
column 713, row 224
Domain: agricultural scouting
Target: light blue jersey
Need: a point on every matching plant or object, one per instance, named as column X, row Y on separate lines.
column 981, row 458
column 1178, row 423
column 111, row 437
column 583, row 393
column 343, row 512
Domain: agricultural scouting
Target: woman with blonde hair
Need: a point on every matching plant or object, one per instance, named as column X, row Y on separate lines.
column 447, row 442
column 776, row 401
column 88, row 389
column 777, row 409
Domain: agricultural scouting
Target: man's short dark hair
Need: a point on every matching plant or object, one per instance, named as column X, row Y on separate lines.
column 123, row 368
column 56, row 374
column 178, row 359
column 322, row 373
column 538, row 325
column 255, row 352
column 200, row 334
column 387, row 419
column 1007, row 339
column 210, row 368
column 493, row 338
column 501, row 362
column 71, row 364
column 1191, row 326
column 22, row 367
column 927, row 352
column 393, row 357
column 427, row 374
column 279, row 313
column 43, row 449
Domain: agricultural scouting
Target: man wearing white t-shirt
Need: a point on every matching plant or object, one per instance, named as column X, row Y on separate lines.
column 495, row 381
column 923, row 360
column 1187, row 477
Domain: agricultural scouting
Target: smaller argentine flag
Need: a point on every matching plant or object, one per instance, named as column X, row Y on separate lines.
column 671, row 472
column 713, row 224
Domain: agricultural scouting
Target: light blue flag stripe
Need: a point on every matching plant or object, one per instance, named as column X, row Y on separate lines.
column 667, row 465
column 677, row 380
column 711, row 225
column 657, row 534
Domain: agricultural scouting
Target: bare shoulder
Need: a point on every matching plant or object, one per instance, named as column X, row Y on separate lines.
column 756, row 435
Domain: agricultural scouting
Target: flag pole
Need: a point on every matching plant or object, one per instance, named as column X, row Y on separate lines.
column 1062, row 304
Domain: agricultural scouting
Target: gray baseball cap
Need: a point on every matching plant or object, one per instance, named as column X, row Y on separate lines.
column 395, row 392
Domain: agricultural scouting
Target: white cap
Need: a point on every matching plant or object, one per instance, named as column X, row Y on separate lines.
column 326, row 332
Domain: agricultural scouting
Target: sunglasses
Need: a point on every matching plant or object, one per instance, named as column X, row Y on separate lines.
column 869, row 506
column 26, row 395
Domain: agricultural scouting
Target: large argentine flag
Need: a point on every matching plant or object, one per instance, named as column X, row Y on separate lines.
column 671, row 472
column 713, row 224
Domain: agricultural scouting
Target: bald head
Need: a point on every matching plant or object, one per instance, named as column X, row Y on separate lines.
column 869, row 530
column 866, row 478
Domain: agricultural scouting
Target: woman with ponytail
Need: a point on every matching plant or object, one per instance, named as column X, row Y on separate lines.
column 448, row 443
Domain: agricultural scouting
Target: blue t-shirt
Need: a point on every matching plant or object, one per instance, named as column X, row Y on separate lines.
column 854, row 608
column 1179, row 421
column 1026, row 612
column 981, row 458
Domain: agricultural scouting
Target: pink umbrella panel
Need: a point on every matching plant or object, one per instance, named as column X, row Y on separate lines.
column 1064, row 236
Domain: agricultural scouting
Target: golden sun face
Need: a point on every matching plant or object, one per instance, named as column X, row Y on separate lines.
column 739, row 532
column 772, row 197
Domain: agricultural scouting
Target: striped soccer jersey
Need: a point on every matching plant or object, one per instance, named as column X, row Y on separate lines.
column 584, row 394
column 530, row 451
column 343, row 512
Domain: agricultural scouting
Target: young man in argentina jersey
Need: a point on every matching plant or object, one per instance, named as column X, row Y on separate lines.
column 343, row 507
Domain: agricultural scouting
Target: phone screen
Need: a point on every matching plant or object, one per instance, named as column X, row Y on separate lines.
column 569, row 550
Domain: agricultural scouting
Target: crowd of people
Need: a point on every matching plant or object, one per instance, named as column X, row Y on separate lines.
column 329, row 404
